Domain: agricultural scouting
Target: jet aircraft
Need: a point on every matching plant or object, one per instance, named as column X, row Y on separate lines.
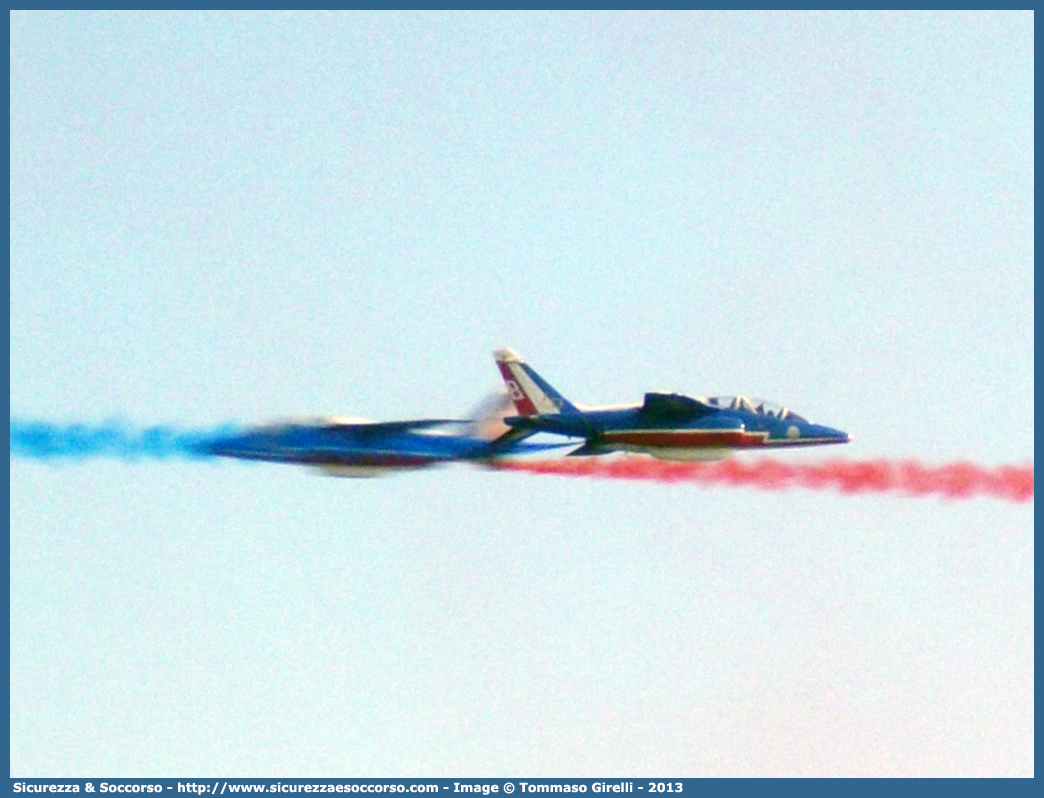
column 668, row 426
column 351, row 447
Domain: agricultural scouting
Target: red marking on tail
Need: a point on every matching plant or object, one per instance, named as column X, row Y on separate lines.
column 953, row 480
column 523, row 403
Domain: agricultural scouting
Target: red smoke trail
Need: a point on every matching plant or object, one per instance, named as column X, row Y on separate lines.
column 953, row 480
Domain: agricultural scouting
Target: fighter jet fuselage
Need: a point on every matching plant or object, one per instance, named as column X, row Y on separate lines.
column 670, row 426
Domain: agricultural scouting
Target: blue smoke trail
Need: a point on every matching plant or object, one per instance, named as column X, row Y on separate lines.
column 45, row 441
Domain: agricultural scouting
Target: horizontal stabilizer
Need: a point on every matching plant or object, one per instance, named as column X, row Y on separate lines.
column 510, row 438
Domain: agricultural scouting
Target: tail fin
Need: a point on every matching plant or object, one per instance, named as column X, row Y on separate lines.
column 531, row 394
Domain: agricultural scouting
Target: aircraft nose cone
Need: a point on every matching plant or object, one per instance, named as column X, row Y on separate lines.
column 832, row 435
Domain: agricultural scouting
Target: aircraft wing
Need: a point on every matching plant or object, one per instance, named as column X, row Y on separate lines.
column 588, row 450
column 375, row 428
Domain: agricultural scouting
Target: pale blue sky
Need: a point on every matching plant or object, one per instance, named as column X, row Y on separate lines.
column 238, row 217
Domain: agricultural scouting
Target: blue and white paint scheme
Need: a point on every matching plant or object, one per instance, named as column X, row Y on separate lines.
column 669, row 426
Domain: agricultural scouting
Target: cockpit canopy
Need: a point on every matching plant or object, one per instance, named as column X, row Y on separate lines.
column 762, row 407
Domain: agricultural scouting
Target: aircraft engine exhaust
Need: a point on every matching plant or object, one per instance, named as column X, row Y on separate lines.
column 959, row 480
